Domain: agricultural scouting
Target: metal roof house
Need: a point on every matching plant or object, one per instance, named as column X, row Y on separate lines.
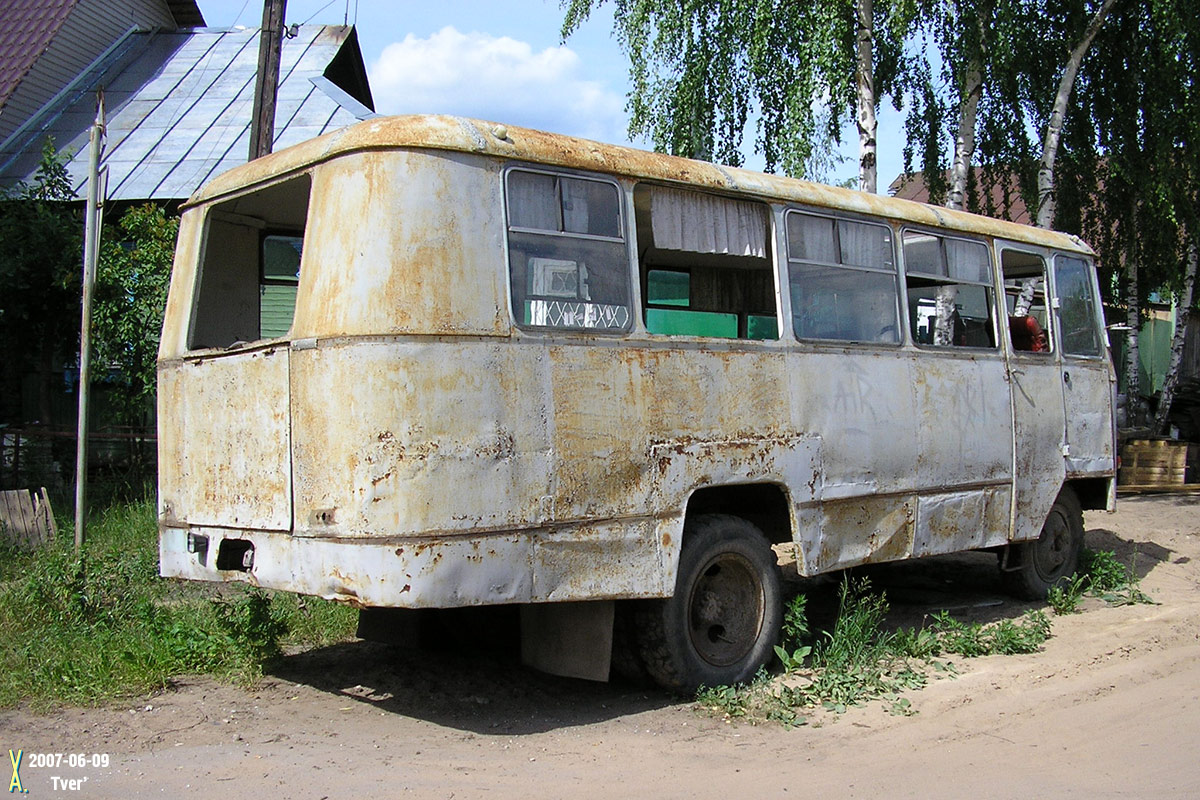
column 179, row 99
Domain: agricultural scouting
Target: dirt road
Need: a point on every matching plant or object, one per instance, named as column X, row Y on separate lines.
column 1109, row 708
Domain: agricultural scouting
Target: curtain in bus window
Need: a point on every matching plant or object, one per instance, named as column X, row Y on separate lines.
column 949, row 291
column 865, row 245
column 533, row 201
column 811, row 239
column 842, row 276
column 702, row 223
column 968, row 261
column 1077, row 307
column 590, row 207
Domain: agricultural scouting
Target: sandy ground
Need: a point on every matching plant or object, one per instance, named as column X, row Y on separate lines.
column 1109, row 708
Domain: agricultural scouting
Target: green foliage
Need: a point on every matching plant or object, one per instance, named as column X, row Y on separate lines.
column 41, row 252
column 84, row 630
column 1101, row 575
column 131, row 293
column 732, row 701
column 859, row 661
column 792, row 651
column 973, row 639
column 1065, row 599
column 702, row 69
column 1111, row 581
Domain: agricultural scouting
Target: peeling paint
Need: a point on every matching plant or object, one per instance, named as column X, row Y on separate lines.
column 407, row 445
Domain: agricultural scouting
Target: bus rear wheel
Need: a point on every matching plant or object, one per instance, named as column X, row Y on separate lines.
column 723, row 621
column 1052, row 558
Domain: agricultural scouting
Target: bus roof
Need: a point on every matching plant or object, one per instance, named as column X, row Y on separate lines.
column 441, row 132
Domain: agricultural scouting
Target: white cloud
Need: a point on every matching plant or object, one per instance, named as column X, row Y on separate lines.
column 496, row 78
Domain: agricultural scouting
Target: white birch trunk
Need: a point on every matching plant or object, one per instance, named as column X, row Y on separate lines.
column 964, row 144
column 1182, row 314
column 1046, row 198
column 867, row 126
column 944, row 303
column 968, row 114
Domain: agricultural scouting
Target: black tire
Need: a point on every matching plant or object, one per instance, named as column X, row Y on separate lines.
column 1051, row 559
column 723, row 621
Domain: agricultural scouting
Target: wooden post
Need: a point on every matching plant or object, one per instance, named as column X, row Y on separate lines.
column 266, row 85
column 91, row 253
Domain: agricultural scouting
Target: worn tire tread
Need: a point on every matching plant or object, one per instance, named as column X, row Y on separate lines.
column 1023, row 582
column 650, row 617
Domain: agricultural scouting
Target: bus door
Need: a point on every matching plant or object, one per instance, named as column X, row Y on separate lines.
column 1088, row 380
column 1035, row 381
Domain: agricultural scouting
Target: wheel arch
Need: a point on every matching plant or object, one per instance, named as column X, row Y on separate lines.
column 766, row 505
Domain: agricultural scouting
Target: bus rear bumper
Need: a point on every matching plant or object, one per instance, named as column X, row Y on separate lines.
column 598, row 562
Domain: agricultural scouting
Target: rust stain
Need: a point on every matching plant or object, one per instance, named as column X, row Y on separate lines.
column 434, row 132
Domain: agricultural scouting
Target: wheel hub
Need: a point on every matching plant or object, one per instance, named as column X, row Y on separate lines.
column 725, row 610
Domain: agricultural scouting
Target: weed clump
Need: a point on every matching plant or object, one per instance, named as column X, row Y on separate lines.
column 1103, row 576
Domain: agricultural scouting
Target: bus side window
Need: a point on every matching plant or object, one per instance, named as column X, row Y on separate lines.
column 949, row 291
column 1077, row 307
column 705, row 265
column 842, row 275
column 569, row 267
column 1025, row 301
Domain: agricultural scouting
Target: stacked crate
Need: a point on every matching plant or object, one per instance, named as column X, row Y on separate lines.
column 1154, row 462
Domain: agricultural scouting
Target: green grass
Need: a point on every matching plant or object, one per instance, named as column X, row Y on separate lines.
column 81, row 631
column 1101, row 575
column 859, row 661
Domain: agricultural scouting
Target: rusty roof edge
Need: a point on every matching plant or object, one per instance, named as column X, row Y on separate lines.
column 442, row 132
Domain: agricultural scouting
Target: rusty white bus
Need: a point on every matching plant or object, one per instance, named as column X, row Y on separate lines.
column 428, row 362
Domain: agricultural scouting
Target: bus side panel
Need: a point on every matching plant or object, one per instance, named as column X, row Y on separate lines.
column 869, row 446
column 390, row 441
column 965, row 462
column 224, row 454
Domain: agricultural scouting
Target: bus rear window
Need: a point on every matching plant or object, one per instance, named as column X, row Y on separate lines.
column 250, row 267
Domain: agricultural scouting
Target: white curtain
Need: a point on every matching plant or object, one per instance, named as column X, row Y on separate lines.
column 865, row 245
column 703, row 223
column 533, row 201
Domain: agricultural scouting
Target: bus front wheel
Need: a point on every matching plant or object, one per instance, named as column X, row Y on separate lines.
column 1052, row 558
column 723, row 621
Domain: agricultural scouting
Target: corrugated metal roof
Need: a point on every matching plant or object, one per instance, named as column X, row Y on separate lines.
column 179, row 107
column 26, row 28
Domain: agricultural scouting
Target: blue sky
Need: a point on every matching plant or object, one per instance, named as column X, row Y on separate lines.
column 500, row 61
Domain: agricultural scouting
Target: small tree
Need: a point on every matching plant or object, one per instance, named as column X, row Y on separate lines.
column 41, row 239
column 131, row 293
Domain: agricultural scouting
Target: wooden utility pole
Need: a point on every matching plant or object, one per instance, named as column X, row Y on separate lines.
column 266, row 85
column 96, row 192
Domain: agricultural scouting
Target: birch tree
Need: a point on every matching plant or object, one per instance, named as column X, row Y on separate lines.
column 1182, row 316
column 1054, row 125
column 706, row 72
column 1133, row 183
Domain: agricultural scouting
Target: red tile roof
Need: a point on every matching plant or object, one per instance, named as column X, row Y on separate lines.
column 1011, row 207
column 26, row 28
